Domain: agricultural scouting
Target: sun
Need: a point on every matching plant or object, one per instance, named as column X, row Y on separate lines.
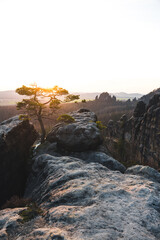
column 50, row 83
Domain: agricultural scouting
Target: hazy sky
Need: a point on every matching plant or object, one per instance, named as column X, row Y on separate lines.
column 81, row 45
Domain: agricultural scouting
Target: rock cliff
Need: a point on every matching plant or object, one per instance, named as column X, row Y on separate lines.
column 16, row 138
column 106, row 97
column 85, row 194
column 137, row 140
column 146, row 98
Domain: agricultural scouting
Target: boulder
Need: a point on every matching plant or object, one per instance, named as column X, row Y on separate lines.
column 81, row 135
column 16, row 138
column 144, row 171
column 100, row 157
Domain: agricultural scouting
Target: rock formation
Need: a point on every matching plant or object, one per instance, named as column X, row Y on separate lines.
column 87, row 201
column 79, row 136
column 85, row 194
column 16, row 138
column 105, row 97
column 137, row 140
column 146, row 98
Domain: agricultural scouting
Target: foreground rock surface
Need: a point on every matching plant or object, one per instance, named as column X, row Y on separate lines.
column 85, row 195
column 16, row 138
column 89, row 201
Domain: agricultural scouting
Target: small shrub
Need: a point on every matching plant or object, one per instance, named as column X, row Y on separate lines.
column 31, row 212
column 84, row 101
column 23, row 117
column 100, row 125
column 65, row 118
column 16, row 202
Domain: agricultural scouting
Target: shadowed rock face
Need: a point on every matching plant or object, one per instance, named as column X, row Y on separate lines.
column 86, row 195
column 140, row 109
column 81, row 135
column 138, row 139
column 16, row 138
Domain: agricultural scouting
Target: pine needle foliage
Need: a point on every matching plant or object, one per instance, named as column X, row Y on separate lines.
column 42, row 102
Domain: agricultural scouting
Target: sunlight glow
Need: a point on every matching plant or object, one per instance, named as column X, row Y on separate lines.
column 83, row 45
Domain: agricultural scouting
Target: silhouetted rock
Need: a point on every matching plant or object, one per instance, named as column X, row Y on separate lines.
column 105, row 97
column 16, row 138
column 137, row 140
column 146, row 98
column 140, row 109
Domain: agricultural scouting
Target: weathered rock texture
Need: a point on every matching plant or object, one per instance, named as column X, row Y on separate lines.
column 81, row 139
column 89, row 201
column 137, row 140
column 16, row 138
column 81, row 135
column 85, row 196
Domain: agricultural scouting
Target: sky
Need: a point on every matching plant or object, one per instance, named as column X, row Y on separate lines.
column 80, row 45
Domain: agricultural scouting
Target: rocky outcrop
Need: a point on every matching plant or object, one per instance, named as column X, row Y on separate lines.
column 137, row 140
column 106, row 97
column 139, row 109
column 88, row 201
column 146, row 98
column 81, row 135
column 80, row 139
column 144, row 171
column 16, row 138
column 86, row 195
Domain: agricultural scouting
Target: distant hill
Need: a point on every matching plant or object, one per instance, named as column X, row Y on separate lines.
column 123, row 95
column 148, row 96
column 87, row 96
column 11, row 97
column 11, row 94
column 119, row 95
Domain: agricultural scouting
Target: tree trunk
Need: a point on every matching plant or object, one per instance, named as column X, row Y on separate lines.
column 43, row 132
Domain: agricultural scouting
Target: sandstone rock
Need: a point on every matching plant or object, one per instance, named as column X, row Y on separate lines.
column 84, row 195
column 106, row 98
column 89, row 201
column 146, row 98
column 12, row 227
column 144, row 171
column 16, row 138
column 100, row 157
column 9, row 220
column 79, row 136
column 137, row 140
column 140, row 109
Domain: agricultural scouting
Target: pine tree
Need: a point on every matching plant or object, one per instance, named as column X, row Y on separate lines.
column 42, row 102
